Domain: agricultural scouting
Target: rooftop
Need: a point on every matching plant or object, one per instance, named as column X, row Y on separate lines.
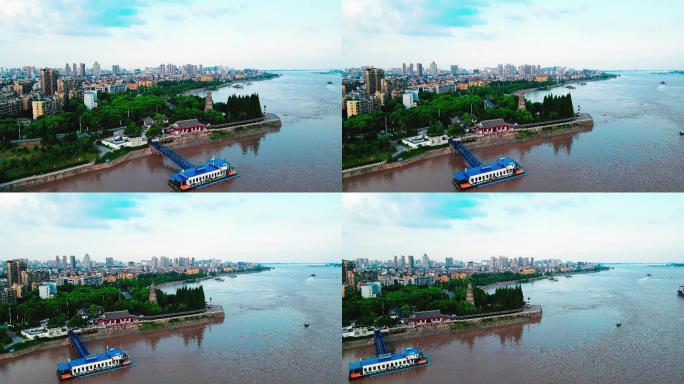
column 116, row 315
column 108, row 354
column 492, row 123
column 210, row 166
column 427, row 314
column 186, row 123
column 495, row 166
column 383, row 358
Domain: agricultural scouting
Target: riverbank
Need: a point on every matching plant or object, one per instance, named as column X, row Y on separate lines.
column 223, row 274
column 269, row 76
column 501, row 284
column 527, row 315
column 270, row 123
column 211, row 315
column 584, row 123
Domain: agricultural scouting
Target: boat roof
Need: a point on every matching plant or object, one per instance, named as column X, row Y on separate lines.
column 210, row 166
column 502, row 163
column 108, row 354
column 383, row 358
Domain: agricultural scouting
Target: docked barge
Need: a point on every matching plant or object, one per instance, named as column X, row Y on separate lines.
column 384, row 362
column 480, row 175
column 213, row 172
column 91, row 364
column 191, row 177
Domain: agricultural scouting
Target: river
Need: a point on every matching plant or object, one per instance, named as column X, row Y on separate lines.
column 261, row 340
column 576, row 340
column 634, row 146
column 302, row 156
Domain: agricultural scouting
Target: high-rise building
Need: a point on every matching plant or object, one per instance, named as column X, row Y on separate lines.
column 433, row 68
column 83, row 70
column 419, row 69
column 454, row 70
column 67, row 69
column 116, row 69
column 73, row 70
column 403, row 69
column 109, row 262
column 403, row 261
column 48, row 81
column 14, row 269
column 64, row 262
column 410, row 263
column 396, row 261
column 72, row 262
column 449, row 262
column 373, row 76
column 411, row 70
column 425, row 261
column 347, row 271
column 96, row 69
column 86, row 261
column 90, row 99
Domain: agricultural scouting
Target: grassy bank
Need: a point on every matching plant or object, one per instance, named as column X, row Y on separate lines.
column 113, row 155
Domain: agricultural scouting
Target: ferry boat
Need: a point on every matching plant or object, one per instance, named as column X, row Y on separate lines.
column 213, row 172
column 385, row 362
column 680, row 291
column 500, row 170
column 111, row 359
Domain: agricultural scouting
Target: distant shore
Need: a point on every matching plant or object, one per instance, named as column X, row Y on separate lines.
column 228, row 84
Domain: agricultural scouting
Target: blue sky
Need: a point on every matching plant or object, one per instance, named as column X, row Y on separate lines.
column 244, row 227
column 607, row 34
column 270, row 34
column 579, row 227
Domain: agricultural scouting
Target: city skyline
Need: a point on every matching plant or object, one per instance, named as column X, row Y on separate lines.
column 592, row 227
column 476, row 34
column 242, row 34
column 135, row 227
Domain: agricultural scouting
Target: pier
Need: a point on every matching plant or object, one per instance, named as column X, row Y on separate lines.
column 182, row 162
column 88, row 364
column 470, row 159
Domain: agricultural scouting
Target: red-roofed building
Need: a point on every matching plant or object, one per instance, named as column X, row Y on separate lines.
column 492, row 126
column 186, row 126
column 116, row 317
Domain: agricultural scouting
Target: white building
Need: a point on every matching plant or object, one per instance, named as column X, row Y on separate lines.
column 44, row 332
column 90, row 99
column 118, row 142
column 47, row 290
column 423, row 140
column 410, row 99
column 370, row 290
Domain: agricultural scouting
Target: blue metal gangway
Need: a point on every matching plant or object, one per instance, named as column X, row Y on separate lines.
column 78, row 344
column 171, row 154
column 471, row 159
column 380, row 348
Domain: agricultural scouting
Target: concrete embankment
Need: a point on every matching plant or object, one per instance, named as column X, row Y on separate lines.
column 456, row 326
column 539, row 133
column 210, row 316
column 269, row 123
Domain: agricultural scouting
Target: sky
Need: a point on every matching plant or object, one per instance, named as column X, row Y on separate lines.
column 606, row 34
column 264, row 34
column 472, row 227
column 302, row 228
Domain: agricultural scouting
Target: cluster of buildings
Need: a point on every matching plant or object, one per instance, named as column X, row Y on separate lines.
column 369, row 276
column 44, row 277
column 368, row 89
column 33, row 92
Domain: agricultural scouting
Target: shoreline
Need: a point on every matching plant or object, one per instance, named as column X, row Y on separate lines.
column 493, row 140
column 190, row 92
column 270, row 122
column 485, row 322
column 211, row 316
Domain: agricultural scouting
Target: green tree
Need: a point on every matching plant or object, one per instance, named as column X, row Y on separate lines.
column 436, row 129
